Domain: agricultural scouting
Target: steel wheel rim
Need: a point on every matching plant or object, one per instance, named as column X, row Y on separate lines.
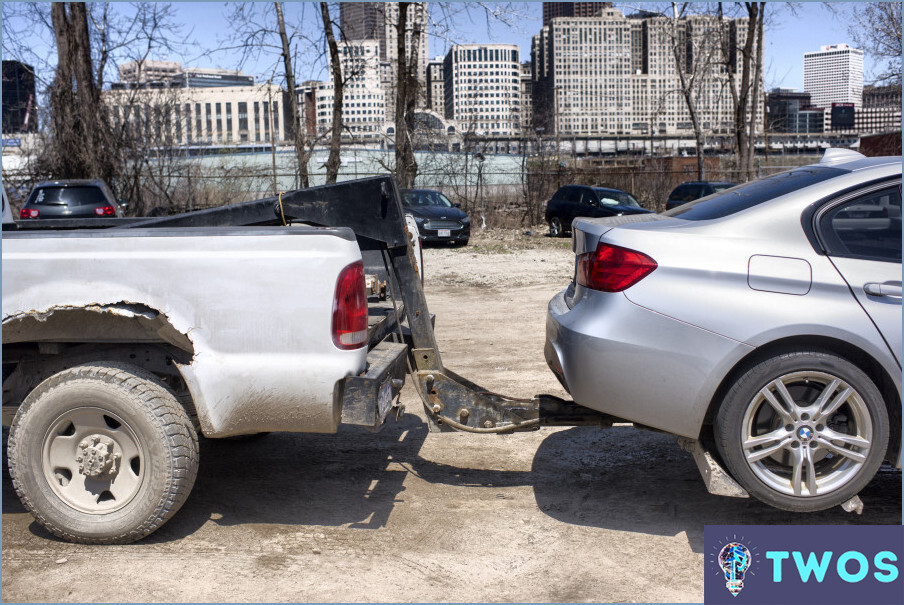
column 93, row 460
column 806, row 434
column 555, row 226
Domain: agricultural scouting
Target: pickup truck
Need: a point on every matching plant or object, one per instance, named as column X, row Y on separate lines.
column 122, row 344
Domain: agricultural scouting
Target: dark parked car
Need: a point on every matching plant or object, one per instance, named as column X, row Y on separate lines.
column 571, row 201
column 688, row 192
column 437, row 218
column 71, row 199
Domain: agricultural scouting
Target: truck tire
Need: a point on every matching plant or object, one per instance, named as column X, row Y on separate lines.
column 102, row 453
column 803, row 431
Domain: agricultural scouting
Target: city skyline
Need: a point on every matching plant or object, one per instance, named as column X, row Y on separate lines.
column 788, row 37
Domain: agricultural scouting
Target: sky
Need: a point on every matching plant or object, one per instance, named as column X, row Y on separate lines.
column 789, row 34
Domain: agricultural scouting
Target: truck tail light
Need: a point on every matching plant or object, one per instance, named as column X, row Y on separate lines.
column 612, row 268
column 29, row 213
column 350, row 308
column 105, row 211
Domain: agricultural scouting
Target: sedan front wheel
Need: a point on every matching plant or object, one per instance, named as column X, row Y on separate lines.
column 803, row 431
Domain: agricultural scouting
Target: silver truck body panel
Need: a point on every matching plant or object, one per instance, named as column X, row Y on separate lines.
column 253, row 307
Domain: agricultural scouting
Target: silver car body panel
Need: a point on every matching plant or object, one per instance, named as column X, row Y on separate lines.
column 877, row 287
column 604, row 349
column 656, row 353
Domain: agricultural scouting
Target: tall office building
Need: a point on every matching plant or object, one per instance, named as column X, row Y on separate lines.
column 617, row 75
column 163, row 104
column 552, row 10
column 379, row 21
column 363, row 98
column 834, row 74
column 881, row 110
column 483, row 88
column 19, row 101
column 527, row 101
column 436, row 96
column 788, row 110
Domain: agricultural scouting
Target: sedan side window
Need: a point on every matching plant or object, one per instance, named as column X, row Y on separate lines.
column 573, row 195
column 691, row 193
column 867, row 227
column 587, row 198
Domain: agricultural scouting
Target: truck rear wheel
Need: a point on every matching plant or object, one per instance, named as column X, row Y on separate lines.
column 102, row 453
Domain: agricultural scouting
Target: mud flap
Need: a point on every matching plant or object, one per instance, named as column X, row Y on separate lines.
column 718, row 481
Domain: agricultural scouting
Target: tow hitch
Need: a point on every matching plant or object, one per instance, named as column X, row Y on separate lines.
column 454, row 403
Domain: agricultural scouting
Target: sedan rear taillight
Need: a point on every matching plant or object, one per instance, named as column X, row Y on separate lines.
column 29, row 213
column 612, row 268
column 105, row 211
column 350, row 308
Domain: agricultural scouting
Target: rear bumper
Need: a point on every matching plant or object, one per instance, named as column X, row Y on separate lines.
column 621, row 359
column 367, row 399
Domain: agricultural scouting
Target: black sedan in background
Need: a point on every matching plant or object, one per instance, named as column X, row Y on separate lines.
column 437, row 218
column 572, row 201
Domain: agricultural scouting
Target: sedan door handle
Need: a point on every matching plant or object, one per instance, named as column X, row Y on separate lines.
column 890, row 290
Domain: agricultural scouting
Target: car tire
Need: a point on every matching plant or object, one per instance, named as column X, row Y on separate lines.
column 555, row 227
column 102, row 453
column 803, row 431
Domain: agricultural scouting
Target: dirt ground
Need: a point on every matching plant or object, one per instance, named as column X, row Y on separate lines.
column 557, row 515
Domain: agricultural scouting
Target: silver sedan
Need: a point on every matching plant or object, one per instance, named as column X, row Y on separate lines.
column 763, row 321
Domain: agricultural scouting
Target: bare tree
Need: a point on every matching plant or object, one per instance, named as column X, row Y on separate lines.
column 745, row 95
column 407, row 90
column 80, row 132
column 302, row 153
column 408, row 20
column 258, row 31
column 334, row 161
column 876, row 28
column 694, row 58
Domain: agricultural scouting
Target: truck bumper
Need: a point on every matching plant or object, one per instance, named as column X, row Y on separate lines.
column 367, row 399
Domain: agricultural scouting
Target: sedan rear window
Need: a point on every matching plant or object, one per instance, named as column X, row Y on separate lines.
column 73, row 196
column 753, row 193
